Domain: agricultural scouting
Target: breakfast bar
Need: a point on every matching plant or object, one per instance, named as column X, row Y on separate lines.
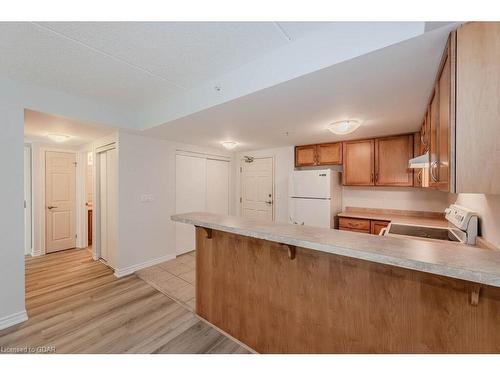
column 283, row 288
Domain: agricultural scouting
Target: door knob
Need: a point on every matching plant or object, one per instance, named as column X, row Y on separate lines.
column 269, row 202
column 51, row 207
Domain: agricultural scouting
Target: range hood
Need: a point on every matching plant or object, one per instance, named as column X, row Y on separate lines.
column 421, row 161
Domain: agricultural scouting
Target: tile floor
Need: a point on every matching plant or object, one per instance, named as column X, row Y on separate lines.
column 174, row 278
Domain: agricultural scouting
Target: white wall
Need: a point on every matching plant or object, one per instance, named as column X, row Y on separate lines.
column 12, row 218
column 394, row 198
column 488, row 209
column 283, row 165
column 14, row 98
column 147, row 166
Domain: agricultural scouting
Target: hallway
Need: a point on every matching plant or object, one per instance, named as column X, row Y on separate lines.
column 77, row 305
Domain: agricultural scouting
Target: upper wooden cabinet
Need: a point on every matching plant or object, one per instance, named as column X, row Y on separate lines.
column 329, row 153
column 305, row 155
column 460, row 129
column 477, row 108
column 321, row 154
column 378, row 162
column 391, row 161
column 359, row 163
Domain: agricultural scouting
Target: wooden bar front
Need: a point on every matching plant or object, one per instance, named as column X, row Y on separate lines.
column 316, row 302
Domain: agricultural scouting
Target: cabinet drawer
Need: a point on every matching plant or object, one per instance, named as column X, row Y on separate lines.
column 358, row 224
column 355, row 230
column 378, row 225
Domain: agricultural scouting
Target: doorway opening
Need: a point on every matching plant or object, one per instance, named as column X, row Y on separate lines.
column 59, row 182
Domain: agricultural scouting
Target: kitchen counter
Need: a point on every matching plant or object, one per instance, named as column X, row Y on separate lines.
column 444, row 259
column 434, row 219
column 283, row 288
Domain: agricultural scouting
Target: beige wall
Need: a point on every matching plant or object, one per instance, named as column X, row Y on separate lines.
column 395, row 198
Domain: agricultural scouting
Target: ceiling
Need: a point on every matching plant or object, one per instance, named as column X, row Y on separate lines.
column 131, row 64
column 37, row 125
column 386, row 90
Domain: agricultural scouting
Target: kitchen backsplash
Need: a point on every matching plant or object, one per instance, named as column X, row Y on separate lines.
column 394, row 198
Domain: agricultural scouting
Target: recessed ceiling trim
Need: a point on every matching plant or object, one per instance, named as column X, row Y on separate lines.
column 134, row 66
column 282, row 31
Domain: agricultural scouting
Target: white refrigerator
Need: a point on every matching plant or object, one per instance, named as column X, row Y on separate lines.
column 315, row 197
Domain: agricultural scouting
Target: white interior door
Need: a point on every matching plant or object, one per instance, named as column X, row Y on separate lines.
column 217, row 192
column 190, row 195
column 107, row 203
column 27, row 201
column 257, row 180
column 60, row 196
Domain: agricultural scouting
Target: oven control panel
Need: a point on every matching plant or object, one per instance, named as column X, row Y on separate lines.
column 459, row 216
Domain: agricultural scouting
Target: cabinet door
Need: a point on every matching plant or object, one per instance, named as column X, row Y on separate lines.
column 391, row 161
column 443, row 167
column 377, row 225
column 434, row 140
column 329, row 153
column 477, row 108
column 358, row 162
column 305, row 155
column 417, row 151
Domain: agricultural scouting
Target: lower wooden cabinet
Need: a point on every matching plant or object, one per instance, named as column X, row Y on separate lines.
column 377, row 225
column 362, row 225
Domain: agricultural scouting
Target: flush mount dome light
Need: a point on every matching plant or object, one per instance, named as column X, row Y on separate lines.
column 229, row 145
column 59, row 138
column 343, row 127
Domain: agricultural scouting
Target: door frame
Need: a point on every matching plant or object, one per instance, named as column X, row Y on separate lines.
column 28, row 199
column 96, row 200
column 273, row 178
column 38, row 154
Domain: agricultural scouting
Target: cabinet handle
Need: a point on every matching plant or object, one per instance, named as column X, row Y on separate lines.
column 419, row 176
column 433, row 166
column 376, row 177
column 371, row 177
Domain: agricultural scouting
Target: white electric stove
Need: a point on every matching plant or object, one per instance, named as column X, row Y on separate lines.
column 462, row 227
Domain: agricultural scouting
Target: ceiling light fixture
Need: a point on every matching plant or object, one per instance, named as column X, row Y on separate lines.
column 59, row 138
column 229, row 145
column 343, row 127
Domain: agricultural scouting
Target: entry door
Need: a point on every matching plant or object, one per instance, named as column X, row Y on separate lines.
column 60, row 205
column 257, row 191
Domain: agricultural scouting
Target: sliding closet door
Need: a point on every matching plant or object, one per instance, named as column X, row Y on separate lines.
column 190, row 180
column 217, row 187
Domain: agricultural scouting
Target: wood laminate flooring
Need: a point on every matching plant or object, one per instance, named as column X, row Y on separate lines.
column 77, row 305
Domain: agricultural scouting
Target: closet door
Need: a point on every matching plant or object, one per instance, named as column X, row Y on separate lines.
column 108, row 180
column 103, row 205
column 190, row 193
column 217, row 192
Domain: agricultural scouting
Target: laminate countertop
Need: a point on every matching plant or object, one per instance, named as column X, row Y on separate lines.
column 439, row 258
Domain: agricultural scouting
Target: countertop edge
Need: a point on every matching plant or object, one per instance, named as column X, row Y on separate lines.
column 416, row 265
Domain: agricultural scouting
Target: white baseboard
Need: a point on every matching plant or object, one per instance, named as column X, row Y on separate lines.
column 120, row 272
column 13, row 319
